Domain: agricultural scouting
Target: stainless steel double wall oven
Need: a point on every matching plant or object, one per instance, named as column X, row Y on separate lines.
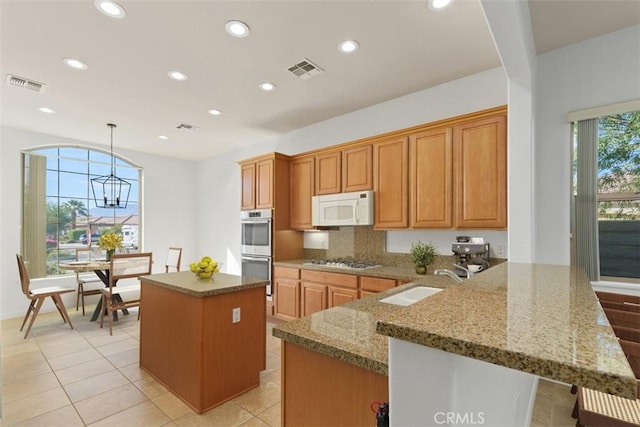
column 257, row 237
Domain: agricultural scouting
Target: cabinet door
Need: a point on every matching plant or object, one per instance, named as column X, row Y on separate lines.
column 431, row 179
column 390, row 183
column 339, row 296
column 376, row 284
column 301, row 191
column 264, row 184
column 480, row 165
column 248, row 177
column 313, row 298
column 287, row 299
column 357, row 166
column 328, row 171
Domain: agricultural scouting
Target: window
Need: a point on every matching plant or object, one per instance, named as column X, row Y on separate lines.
column 59, row 212
column 616, row 194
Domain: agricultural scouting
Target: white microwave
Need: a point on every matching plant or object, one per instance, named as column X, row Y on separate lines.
column 343, row 209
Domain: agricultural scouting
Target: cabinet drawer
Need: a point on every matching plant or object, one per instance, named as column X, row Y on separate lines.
column 335, row 279
column 286, row 272
column 376, row 284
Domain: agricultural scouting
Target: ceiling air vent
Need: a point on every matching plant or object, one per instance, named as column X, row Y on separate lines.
column 305, row 69
column 25, row 83
column 190, row 128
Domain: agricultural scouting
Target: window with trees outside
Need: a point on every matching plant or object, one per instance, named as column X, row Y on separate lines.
column 59, row 213
column 618, row 201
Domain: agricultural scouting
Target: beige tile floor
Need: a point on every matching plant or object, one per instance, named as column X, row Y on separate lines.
column 84, row 377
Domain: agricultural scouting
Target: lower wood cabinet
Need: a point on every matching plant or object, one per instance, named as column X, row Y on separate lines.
column 339, row 296
column 286, row 293
column 313, row 298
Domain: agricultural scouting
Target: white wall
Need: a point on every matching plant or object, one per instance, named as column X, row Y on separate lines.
column 600, row 71
column 168, row 213
column 219, row 190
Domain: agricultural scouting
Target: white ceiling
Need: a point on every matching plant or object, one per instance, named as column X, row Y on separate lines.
column 405, row 47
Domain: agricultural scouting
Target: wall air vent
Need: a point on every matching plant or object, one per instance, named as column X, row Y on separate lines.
column 25, row 83
column 187, row 127
column 305, row 69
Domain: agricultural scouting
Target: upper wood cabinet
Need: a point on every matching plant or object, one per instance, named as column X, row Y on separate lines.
column 431, row 179
column 480, row 167
column 357, row 169
column 248, row 177
column 301, row 190
column 390, row 182
column 264, row 183
column 328, row 171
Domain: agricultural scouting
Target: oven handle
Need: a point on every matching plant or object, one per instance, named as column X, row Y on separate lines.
column 255, row 221
column 252, row 258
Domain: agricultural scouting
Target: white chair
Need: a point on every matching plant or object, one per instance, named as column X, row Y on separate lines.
column 86, row 254
column 37, row 297
column 173, row 259
column 114, row 298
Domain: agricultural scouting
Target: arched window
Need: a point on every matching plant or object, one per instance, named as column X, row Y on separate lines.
column 59, row 213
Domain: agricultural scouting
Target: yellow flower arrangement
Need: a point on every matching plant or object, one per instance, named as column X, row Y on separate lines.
column 110, row 241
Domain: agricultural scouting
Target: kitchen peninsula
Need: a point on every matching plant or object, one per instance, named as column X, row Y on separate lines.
column 529, row 320
column 203, row 339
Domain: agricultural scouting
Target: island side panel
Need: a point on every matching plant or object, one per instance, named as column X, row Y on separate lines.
column 321, row 390
column 234, row 353
column 170, row 340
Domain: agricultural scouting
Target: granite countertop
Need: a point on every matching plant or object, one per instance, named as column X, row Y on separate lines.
column 387, row 272
column 187, row 283
column 541, row 319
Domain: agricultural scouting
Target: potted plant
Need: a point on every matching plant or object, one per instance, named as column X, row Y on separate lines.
column 423, row 254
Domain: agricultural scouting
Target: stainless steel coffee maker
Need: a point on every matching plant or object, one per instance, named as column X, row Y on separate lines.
column 469, row 251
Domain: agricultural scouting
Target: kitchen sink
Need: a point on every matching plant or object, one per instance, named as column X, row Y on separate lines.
column 411, row 296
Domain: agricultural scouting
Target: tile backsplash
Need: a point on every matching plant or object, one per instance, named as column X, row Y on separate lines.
column 363, row 242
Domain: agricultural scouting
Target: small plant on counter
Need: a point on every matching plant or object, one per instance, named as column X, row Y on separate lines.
column 423, row 254
column 204, row 268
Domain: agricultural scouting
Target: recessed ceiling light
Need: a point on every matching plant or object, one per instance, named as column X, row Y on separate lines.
column 74, row 63
column 439, row 4
column 46, row 110
column 177, row 75
column 110, row 8
column 215, row 112
column 267, row 86
column 237, row 28
column 348, row 46
column 163, row 137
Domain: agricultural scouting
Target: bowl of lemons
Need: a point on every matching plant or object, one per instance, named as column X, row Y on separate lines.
column 204, row 268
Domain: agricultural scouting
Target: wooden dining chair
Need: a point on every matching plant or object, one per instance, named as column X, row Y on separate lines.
column 594, row 408
column 37, row 297
column 173, row 259
column 85, row 254
column 124, row 266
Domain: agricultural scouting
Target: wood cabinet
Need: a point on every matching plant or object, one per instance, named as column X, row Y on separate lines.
column 328, row 173
column 480, row 170
column 248, row 194
column 376, row 284
column 341, row 393
column 338, row 296
column 357, row 168
column 431, row 179
column 390, row 182
column 313, row 298
column 261, row 179
column 286, row 293
column 301, row 191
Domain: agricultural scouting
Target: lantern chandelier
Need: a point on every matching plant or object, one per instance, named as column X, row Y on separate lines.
column 109, row 191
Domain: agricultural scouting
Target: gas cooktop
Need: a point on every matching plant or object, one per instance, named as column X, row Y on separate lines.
column 348, row 263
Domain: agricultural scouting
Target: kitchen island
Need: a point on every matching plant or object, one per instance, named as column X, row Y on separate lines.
column 528, row 319
column 203, row 339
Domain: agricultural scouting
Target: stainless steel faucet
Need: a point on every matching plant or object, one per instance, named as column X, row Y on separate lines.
column 445, row 272
column 469, row 272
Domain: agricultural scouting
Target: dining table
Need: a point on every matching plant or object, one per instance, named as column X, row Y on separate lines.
column 102, row 269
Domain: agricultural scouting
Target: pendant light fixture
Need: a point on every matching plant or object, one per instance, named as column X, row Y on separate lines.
column 109, row 191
